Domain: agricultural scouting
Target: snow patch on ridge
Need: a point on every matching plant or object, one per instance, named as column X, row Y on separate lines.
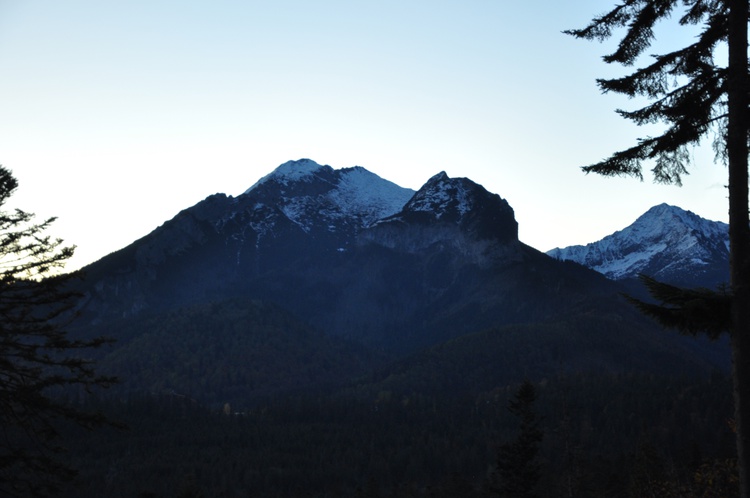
column 674, row 236
column 295, row 208
column 440, row 193
column 366, row 195
column 290, row 171
column 318, row 197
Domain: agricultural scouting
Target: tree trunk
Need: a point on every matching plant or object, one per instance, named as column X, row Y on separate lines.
column 739, row 230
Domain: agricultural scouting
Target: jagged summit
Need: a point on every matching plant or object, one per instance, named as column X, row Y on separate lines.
column 666, row 242
column 466, row 203
column 444, row 197
column 449, row 213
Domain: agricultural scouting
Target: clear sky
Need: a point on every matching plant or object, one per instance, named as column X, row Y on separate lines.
column 116, row 115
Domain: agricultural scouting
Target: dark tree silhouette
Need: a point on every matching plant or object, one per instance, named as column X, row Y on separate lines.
column 518, row 472
column 690, row 311
column 693, row 94
column 37, row 359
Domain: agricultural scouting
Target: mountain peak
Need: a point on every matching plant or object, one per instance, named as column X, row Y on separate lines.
column 321, row 199
column 444, row 205
column 666, row 242
column 665, row 222
column 291, row 171
column 442, row 176
column 445, row 197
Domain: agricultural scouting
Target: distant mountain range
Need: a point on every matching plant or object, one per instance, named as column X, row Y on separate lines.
column 316, row 277
column 667, row 243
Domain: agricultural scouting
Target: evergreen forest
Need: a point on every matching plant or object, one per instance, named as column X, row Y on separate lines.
column 603, row 435
column 239, row 398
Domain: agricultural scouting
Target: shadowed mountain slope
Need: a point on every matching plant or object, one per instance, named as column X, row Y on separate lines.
column 368, row 264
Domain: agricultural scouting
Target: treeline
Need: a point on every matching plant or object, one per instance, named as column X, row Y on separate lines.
column 615, row 436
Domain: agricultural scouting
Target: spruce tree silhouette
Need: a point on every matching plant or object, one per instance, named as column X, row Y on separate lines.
column 37, row 359
column 694, row 93
column 518, row 471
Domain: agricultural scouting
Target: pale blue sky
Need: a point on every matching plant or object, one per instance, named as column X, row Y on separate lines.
column 114, row 116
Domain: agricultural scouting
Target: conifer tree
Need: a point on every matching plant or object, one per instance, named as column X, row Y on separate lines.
column 690, row 311
column 693, row 94
column 518, row 471
column 37, row 359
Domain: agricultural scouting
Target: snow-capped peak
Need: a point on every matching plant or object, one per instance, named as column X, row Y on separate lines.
column 664, row 218
column 311, row 195
column 365, row 193
column 442, row 194
column 290, row 171
column 664, row 241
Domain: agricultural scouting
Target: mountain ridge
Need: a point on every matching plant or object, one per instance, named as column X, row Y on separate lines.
column 446, row 263
column 299, row 188
column 666, row 242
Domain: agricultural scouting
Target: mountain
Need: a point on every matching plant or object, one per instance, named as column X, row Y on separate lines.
column 365, row 333
column 350, row 253
column 223, row 245
column 321, row 200
column 445, row 210
column 369, row 271
column 667, row 243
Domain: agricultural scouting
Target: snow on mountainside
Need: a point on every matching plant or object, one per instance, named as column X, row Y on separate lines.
column 366, row 194
column 666, row 242
column 442, row 195
column 310, row 194
column 289, row 171
column 454, row 215
column 459, row 201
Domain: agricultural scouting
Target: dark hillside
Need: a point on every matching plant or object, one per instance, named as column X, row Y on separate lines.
column 237, row 351
column 597, row 430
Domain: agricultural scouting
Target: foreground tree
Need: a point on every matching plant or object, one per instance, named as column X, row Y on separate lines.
column 693, row 95
column 37, row 359
column 518, row 471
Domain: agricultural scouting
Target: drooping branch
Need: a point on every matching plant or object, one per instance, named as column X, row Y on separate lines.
column 689, row 311
column 687, row 89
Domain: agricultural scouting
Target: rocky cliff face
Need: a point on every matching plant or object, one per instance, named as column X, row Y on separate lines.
column 450, row 214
